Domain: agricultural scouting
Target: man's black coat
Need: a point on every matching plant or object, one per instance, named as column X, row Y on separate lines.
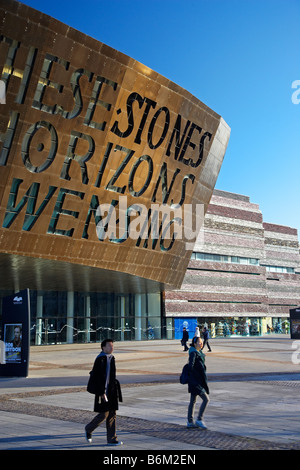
column 114, row 390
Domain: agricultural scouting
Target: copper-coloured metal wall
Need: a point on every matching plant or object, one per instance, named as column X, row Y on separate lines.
column 84, row 125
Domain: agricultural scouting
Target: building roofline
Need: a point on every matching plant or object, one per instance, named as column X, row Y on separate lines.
column 229, row 195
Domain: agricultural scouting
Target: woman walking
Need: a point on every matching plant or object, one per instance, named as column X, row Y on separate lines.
column 197, row 383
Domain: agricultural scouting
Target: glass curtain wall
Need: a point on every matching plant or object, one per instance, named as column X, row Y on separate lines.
column 80, row 317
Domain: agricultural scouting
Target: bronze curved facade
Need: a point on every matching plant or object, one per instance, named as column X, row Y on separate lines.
column 83, row 126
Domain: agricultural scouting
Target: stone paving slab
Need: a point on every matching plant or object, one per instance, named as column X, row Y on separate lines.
column 155, row 410
column 254, row 398
column 56, row 434
column 46, row 433
column 270, row 415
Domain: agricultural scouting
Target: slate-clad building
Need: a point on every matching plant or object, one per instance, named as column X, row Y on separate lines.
column 244, row 273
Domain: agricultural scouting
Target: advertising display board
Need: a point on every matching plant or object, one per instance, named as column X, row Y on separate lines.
column 295, row 323
column 188, row 323
column 15, row 341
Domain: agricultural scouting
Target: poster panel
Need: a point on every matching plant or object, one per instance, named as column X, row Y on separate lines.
column 15, row 341
column 295, row 323
column 295, row 329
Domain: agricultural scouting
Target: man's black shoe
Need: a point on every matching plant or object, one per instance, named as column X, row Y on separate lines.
column 115, row 443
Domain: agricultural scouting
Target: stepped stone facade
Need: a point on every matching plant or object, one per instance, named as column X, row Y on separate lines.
column 244, row 273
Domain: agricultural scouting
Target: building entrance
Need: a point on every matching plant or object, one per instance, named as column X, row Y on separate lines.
column 74, row 317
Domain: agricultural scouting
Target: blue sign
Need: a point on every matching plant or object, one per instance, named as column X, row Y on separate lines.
column 189, row 323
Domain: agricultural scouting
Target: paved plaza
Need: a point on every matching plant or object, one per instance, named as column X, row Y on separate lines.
column 254, row 398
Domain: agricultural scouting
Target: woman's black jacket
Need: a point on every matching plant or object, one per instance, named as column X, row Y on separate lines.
column 197, row 380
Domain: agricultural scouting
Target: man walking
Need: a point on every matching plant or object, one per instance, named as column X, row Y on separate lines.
column 108, row 393
column 206, row 338
column 185, row 338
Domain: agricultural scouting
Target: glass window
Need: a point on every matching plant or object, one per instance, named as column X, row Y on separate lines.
column 54, row 304
column 279, row 269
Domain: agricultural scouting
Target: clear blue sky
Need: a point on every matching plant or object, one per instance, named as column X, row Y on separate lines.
column 240, row 57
